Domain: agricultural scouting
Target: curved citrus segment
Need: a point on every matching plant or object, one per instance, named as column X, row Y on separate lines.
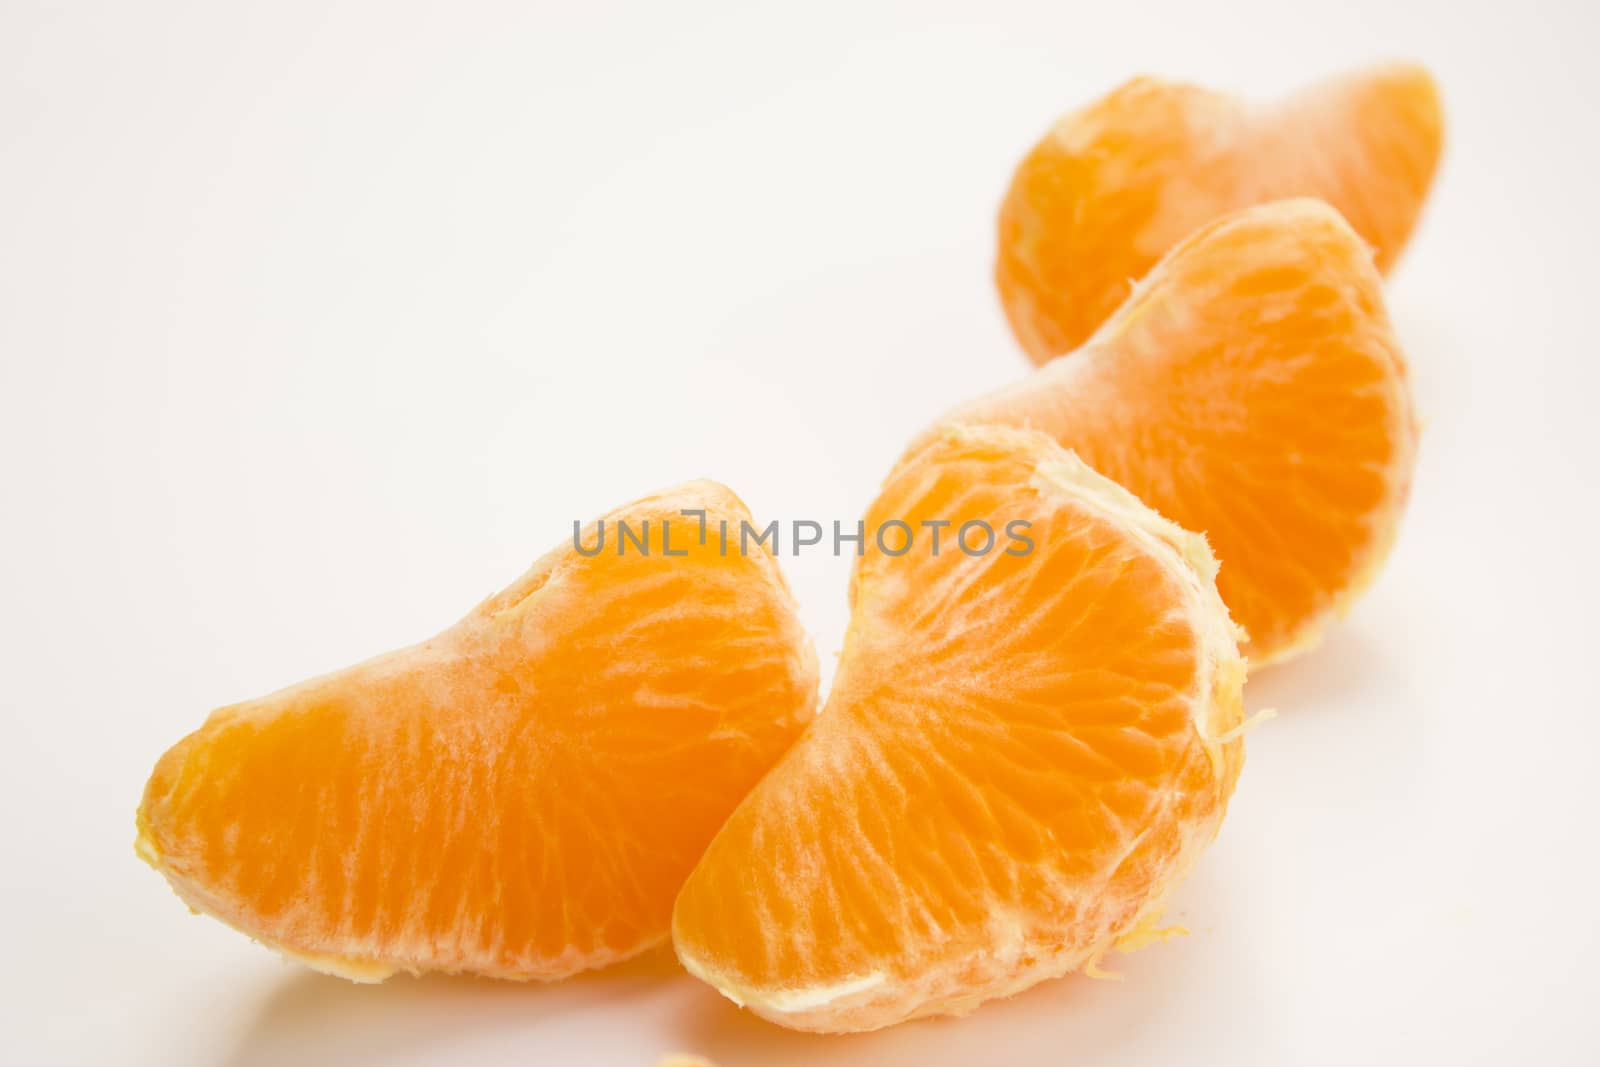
column 520, row 796
column 1114, row 186
column 1252, row 389
column 1022, row 753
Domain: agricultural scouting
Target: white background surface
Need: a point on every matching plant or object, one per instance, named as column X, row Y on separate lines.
column 319, row 321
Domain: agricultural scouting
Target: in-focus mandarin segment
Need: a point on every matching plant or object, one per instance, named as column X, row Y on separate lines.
column 1251, row 389
column 520, row 796
column 1022, row 752
column 1113, row 187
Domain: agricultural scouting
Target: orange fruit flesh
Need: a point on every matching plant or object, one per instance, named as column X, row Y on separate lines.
column 520, row 796
column 1020, row 755
column 1114, row 186
column 1251, row 389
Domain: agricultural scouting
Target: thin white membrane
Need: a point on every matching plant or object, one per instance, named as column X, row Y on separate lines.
column 1189, row 559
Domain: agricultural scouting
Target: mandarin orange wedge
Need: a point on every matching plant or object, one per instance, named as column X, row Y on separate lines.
column 1113, row 187
column 1023, row 751
column 520, row 796
column 1251, row 389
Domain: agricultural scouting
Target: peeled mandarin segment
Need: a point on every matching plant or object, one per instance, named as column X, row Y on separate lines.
column 520, row 796
column 1113, row 187
column 1022, row 753
column 1253, row 390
